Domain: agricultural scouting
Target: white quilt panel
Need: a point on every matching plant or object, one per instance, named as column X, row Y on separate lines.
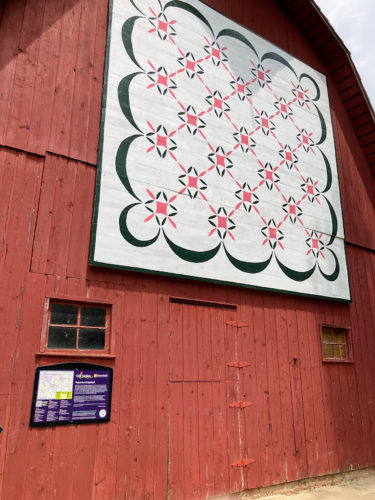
column 217, row 155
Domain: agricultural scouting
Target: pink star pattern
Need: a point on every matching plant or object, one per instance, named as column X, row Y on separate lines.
column 193, row 119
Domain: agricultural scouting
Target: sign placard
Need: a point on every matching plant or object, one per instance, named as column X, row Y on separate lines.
column 217, row 157
column 71, row 393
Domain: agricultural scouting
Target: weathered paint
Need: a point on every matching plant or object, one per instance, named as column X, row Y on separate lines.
column 306, row 418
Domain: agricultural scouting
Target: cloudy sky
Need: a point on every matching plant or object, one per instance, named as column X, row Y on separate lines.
column 353, row 21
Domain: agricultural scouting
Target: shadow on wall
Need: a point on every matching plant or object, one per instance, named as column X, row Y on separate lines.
column 23, row 21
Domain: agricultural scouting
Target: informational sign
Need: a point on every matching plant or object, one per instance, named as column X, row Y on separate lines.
column 71, row 393
column 217, row 156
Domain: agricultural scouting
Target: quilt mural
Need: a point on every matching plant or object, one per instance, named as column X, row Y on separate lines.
column 217, row 157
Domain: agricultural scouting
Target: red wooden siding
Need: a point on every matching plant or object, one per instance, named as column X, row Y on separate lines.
column 51, row 78
column 172, row 429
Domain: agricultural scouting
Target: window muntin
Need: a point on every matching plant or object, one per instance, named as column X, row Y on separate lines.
column 77, row 327
column 336, row 344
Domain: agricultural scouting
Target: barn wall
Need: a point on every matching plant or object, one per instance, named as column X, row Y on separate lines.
column 307, row 418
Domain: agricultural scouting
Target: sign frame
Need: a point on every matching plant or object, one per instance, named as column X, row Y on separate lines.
column 70, row 367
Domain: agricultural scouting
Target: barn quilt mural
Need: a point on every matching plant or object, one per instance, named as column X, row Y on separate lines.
column 217, row 157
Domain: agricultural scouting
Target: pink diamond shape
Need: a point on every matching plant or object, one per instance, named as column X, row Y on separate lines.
column 246, row 196
column 292, row 209
column 310, row 189
column 216, row 53
column 163, row 80
column 161, row 140
column 162, row 26
column 193, row 182
column 220, row 160
column 269, row 175
column 264, row 122
column 192, row 120
column 283, row 108
column 222, row 222
column 300, row 94
column 260, row 75
column 190, row 65
column 288, row 156
column 244, row 139
column 218, row 103
column 272, row 232
column 161, row 207
column 240, row 88
column 305, row 139
column 315, row 243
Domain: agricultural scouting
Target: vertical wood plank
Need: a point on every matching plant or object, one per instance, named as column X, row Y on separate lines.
column 191, row 440
column 80, row 227
column 271, row 304
column 176, row 343
column 129, row 396
column 248, row 376
column 65, row 77
column 161, row 405
column 45, row 74
column 190, row 342
column 235, row 451
column 205, row 432
column 176, row 464
column 314, row 338
column 220, row 357
column 329, row 416
column 263, row 403
column 21, row 96
column 66, row 172
column 63, row 466
column 145, row 447
column 10, row 32
column 363, row 344
column 227, row 318
column 306, row 387
column 290, row 464
column 204, row 350
column 335, row 401
column 97, row 76
column 83, row 475
column 40, row 444
column 296, row 390
column 220, row 444
column 45, row 212
column 79, row 121
column 28, row 322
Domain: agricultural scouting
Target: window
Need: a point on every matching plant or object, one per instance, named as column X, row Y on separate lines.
column 77, row 326
column 336, row 344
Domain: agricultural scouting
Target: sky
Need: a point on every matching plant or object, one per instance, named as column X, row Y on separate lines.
column 353, row 21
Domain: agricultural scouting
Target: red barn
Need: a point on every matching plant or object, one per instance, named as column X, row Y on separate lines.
column 219, row 384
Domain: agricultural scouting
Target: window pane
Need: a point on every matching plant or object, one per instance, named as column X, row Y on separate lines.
column 60, row 337
column 342, row 352
column 64, row 314
column 91, row 338
column 93, row 316
column 336, row 351
column 340, row 336
column 327, row 335
column 328, row 351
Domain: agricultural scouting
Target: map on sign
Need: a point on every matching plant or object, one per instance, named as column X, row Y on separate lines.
column 217, row 156
column 55, row 385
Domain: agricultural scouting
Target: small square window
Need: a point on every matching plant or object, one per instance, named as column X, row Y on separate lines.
column 336, row 344
column 77, row 326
